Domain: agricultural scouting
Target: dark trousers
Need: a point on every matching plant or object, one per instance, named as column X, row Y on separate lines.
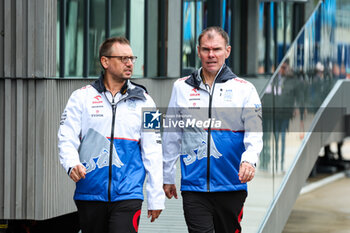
column 219, row 211
column 109, row 217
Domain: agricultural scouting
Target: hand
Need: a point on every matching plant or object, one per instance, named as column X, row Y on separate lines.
column 78, row 172
column 246, row 172
column 154, row 213
column 170, row 190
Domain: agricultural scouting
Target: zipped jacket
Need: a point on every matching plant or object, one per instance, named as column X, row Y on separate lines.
column 104, row 134
column 221, row 127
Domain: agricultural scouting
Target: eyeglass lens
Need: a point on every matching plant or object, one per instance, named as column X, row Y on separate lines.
column 126, row 59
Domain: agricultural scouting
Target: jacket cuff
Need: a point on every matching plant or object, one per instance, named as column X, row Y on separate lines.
column 156, row 204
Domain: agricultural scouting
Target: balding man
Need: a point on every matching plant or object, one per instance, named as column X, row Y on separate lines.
column 218, row 141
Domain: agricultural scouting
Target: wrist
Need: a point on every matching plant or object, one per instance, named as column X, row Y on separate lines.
column 253, row 164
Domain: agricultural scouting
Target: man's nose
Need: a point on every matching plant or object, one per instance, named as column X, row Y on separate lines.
column 211, row 53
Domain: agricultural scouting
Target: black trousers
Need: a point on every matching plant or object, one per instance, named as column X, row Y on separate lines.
column 209, row 211
column 109, row 217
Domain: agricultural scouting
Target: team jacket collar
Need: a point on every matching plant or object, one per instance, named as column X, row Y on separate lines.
column 129, row 88
column 224, row 74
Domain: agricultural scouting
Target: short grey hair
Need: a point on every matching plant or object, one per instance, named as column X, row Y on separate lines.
column 217, row 29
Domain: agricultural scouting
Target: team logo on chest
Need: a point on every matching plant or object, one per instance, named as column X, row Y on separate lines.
column 228, row 95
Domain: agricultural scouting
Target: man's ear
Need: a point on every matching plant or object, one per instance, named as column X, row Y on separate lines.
column 198, row 50
column 228, row 51
column 104, row 62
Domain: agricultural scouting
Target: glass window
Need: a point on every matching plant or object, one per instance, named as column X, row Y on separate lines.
column 267, row 39
column 96, row 34
column 73, row 62
column 342, row 21
column 284, row 28
column 226, row 17
column 272, row 30
column 137, row 19
column 189, row 40
column 118, row 18
column 201, row 24
column 266, row 34
column 261, row 41
column 74, row 33
column 275, row 34
column 193, row 24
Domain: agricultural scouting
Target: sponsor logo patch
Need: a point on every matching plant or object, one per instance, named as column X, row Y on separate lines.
column 97, row 100
column 194, row 92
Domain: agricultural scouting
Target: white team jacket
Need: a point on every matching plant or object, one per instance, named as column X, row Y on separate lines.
column 95, row 125
column 211, row 153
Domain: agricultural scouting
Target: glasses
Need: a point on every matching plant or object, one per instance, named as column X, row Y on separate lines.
column 125, row 59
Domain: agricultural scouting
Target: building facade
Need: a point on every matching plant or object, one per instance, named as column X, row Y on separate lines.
column 50, row 48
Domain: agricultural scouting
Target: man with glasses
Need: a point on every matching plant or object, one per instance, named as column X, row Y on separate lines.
column 105, row 151
column 217, row 158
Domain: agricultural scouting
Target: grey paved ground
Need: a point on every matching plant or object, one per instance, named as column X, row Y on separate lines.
column 326, row 209
column 323, row 210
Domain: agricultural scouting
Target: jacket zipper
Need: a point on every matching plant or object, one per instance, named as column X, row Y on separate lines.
column 209, row 137
column 114, row 107
column 211, row 94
